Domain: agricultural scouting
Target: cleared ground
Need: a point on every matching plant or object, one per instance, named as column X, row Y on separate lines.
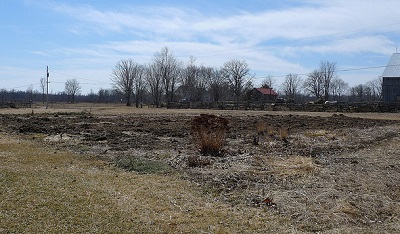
column 331, row 173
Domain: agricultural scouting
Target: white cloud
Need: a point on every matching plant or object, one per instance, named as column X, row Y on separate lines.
column 272, row 41
column 340, row 18
column 373, row 44
column 139, row 21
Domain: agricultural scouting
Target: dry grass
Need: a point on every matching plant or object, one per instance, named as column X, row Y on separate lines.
column 317, row 133
column 120, row 109
column 261, row 128
column 270, row 131
column 265, row 133
column 211, row 142
column 293, row 166
column 210, row 133
column 283, row 133
column 45, row 190
column 347, row 192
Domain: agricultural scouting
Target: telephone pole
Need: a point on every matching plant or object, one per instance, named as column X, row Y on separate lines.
column 47, row 89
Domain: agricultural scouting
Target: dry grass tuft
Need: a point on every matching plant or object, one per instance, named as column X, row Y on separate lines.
column 283, row 134
column 261, row 128
column 210, row 132
column 270, row 131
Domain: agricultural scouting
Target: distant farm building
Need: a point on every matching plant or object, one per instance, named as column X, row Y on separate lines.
column 391, row 80
column 263, row 94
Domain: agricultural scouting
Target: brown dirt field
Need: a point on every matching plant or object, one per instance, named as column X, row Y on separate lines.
column 333, row 172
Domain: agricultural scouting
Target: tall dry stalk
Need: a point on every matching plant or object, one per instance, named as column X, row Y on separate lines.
column 261, row 128
column 283, row 134
column 210, row 132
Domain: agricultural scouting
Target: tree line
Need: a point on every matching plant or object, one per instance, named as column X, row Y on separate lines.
column 167, row 80
column 170, row 80
column 324, row 84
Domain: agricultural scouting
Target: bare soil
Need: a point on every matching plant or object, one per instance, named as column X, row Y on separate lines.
column 327, row 173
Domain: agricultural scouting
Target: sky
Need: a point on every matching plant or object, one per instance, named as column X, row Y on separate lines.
column 85, row 39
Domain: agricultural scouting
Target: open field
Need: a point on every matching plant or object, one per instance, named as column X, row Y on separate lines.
column 327, row 172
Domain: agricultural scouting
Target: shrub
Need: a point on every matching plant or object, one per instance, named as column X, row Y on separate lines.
column 210, row 132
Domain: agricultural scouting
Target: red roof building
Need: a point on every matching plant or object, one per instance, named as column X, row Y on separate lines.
column 267, row 91
column 263, row 94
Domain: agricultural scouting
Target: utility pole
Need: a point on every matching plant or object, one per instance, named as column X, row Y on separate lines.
column 47, row 89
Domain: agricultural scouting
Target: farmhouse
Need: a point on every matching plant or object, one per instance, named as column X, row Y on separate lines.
column 391, row 80
column 263, row 94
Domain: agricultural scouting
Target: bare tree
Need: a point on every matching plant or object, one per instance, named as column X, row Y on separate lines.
column 72, row 88
column 217, row 86
column 368, row 96
column 139, row 85
column 359, row 92
column 291, row 85
column 168, row 68
column 3, row 93
column 43, row 88
column 124, row 76
column 268, row 82
column 205, row 75
column 154, row 82
column 352, row 94
column 237, row 74
column 373, row 89
column 314, row 84
column 29, row 92
column 328, row 72
column 195, row 81
column 189, row 80
column 103, row 95
column 376, row 86
column 338, row 87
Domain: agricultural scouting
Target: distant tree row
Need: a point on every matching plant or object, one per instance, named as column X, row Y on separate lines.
column 166, row 79
column 324, row 84
column 30, row 95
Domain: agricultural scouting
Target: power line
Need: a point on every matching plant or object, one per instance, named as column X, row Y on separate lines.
column 60, row 82
column 80, row 78
column 365, row 68
column 24, row 86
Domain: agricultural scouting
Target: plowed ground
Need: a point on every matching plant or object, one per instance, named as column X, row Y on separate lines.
column 325, row 174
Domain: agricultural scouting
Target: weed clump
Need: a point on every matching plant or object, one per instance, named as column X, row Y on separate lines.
column 283, row 134
column 210, row 133
column 261, row 128
column 263, row 131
